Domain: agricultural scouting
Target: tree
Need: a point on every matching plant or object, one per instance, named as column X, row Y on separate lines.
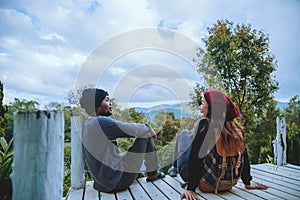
column 3, row 110
column 67, row 116
column 267, row 126
column 237, row 60
column 127, row 115
column 292, row 115
column 16, row 105
column 6, row 153
column 131, row 115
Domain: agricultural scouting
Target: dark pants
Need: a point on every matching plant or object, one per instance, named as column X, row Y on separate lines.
column 142, row 149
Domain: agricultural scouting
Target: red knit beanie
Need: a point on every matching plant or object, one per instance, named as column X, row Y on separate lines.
column 216, row 99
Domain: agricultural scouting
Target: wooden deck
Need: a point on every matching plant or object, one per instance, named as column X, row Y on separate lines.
column 284, row 183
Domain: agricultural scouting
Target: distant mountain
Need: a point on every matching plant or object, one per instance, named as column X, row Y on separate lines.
column 179, row 110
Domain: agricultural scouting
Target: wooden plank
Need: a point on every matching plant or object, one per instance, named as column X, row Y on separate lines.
column 138, row 192
column 166, row 189
column 75, row 194
column 227, row 195
column 281, row 181
column 201, row 194
column 280, row 171
column 90, row 192
column 278, row 190
column 153, row 192
column 243, row 193
column 283, row 168
column 281, row 187
column 107, row 196
column 124, row 195
column 292, row 166
column 174, row 184
column 259, row 193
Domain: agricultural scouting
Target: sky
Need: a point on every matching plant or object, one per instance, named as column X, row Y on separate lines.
column 140, row 51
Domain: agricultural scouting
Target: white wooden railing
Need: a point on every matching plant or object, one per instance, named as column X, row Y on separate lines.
column 279, row 144
column 77, row 162
column 38, row 154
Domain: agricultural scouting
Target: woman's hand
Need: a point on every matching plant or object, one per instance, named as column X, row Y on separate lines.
column 189, row 195
column 255, row 185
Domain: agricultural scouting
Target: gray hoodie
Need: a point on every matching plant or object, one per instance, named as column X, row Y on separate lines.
column 101, row 152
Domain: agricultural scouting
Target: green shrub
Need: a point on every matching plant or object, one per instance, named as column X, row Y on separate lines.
column 67, row 170
column 6, row 159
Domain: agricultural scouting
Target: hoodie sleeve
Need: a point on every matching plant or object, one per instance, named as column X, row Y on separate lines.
column 115, row 129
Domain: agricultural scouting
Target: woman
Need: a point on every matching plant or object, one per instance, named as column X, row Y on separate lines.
column 111, row 169
column 218, row 115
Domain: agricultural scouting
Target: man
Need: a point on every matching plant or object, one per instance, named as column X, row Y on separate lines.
column 111, row 169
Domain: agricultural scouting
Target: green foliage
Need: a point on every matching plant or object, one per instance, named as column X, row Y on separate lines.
column 260, row 138
column 124, row 143
column 3, row 110
column 165, row 154
column 269, row 159
column 16, row 105
column 6, row 153
column 196, row 98
column 127, row 115
column 292, row 111
column 67, row 170
column 292, row 115
column 6, row 159
column 67, row 110
column 168, row 132
column 237, row 60
column 131, row 115
column 159, row 120
column 186, row 123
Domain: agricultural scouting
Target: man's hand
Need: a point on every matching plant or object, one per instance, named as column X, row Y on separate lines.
column 189, row 195
column 255, row 185
column 153, row 134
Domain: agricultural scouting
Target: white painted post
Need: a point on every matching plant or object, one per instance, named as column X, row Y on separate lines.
column 77, row 161
column 37, row 170
column 274, row 142
column 281, row 145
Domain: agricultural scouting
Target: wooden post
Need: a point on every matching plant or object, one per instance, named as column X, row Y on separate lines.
column 280, row 142
column 77, row 162
column 38, row 155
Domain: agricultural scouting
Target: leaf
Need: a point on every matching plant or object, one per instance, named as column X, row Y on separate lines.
column 3, row 144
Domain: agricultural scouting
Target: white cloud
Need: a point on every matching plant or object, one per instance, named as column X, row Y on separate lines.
column 117, row 71
column 52, row 36
column 4, row 57
column 45, row 44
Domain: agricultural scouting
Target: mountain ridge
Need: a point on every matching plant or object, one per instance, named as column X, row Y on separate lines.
column 180, row 110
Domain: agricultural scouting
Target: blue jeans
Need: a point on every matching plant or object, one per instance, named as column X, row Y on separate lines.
column 182, row 152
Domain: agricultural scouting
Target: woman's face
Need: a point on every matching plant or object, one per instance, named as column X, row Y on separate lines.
column 105, row 109
column 203, row 107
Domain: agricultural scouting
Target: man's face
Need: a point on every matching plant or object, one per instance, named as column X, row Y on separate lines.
column 105, row 109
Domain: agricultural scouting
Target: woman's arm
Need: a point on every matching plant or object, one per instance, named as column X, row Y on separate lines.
column 195, row 164
column 246, row 175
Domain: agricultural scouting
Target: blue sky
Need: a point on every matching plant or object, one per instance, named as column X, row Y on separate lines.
column 45, row 45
